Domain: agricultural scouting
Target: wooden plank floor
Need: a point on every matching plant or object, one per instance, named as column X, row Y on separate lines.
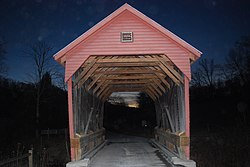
column 125, row 151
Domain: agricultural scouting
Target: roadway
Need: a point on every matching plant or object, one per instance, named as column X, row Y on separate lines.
column 128, row 151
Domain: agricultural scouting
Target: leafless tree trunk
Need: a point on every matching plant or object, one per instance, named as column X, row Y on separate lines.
column 40, row 55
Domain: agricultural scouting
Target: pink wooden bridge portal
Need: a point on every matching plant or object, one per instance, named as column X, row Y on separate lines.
column 128, row 52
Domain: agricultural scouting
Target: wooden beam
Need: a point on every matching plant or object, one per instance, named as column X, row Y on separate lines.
column 172, row 70
column 155, row 88
column 169, row 73
column 126, row 82
column 89, row 119
column 90, row 59
column 99, row 85
column 159, row 85
column 128, row 86
column 85, row 78
column 150, row 92
column 94, row 81
column 131, row 77
column 150, row 95
column 127, row 89
column 96, row 78
column 165, row 59
column 163, row 80
column 106, row 96
column 187, row 113
column 153, row 91
column 128, row 71
column 178, row 140
column 102, row 88
column 104, row 92
column 124, row 64
column 71, row 119
column 172, row 128
column 85, row 71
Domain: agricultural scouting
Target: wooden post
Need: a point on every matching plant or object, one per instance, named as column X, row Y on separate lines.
column 31, row 158
column 187, row 114
column 102, row 113
column 71, row 121
column 172, row 128
column 181, row 101
column 89, row 119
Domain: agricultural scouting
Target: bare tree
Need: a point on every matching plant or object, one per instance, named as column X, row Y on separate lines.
column 197, row 79
column 205, row 74
column 3, row 68
column 238, row 60
column 40, row 55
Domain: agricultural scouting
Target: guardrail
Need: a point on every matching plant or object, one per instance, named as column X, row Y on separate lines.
column 172, row 146
column 19, row 161
column 85, row 143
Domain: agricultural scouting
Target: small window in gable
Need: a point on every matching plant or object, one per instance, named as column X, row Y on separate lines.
column 126, row 36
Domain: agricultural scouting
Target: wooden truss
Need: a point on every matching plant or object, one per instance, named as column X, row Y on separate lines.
column 140, row 73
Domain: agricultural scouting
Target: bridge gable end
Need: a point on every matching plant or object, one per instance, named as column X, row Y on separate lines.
column 147, row 37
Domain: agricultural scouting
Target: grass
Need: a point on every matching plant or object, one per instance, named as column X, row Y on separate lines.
column 227, row 147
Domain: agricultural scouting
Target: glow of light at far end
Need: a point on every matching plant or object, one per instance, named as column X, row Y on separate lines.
column 133, row 105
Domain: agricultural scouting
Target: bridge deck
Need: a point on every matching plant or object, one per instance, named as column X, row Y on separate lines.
column 127, row 151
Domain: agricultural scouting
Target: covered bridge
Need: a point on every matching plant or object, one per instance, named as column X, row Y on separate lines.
column 128, row 52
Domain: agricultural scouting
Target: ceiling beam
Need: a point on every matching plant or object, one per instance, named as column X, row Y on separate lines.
column 168, row 73
column 85, row 71
column 130, row 77
column 159, row 85
column 155, row 88
column 124, row 64
column 172, row 70
column 140, row 73
column 86, row 77
column 128, row 71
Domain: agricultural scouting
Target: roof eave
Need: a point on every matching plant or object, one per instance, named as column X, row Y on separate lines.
column 85, row 35
column 165, row 31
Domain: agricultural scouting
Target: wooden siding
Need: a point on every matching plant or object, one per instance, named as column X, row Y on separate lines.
column 147, row 40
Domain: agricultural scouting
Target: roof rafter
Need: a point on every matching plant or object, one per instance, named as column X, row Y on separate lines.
column 144, row 73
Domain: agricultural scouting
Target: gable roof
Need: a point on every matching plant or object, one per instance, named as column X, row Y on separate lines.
column 60, row 56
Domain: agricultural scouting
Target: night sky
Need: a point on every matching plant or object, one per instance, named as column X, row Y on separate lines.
column 211, row 26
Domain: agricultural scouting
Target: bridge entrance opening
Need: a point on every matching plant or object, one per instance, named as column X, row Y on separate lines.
column 130, row 113
column 128, row 52
column 161, row 84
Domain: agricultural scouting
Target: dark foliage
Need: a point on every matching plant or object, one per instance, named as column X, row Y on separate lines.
column 220, row 113
column 225, row 101
column 18, row 109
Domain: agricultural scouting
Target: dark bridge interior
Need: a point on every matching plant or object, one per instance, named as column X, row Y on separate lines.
column 137, row 118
